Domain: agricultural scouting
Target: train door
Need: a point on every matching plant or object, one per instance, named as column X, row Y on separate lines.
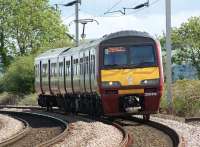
column 40, row 74
column 75, row 73
column 68, row 74
column 72, row 75
column 92, row 70
column 82, row 72
column 49, row 77
column 87, row 79
column 61, row 77
column 44, row 76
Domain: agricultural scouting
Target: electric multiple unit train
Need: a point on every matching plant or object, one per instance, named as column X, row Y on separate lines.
column 120, row 73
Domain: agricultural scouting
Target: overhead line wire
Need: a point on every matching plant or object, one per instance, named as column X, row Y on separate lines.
column 117, row 3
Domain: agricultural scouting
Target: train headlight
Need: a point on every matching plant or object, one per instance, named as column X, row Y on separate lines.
column 110, row 84
column 150, row 82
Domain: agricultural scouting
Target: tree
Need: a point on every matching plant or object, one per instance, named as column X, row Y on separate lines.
column 19, row 78
column 28, row 25
column 5, row 13
column 186, row 43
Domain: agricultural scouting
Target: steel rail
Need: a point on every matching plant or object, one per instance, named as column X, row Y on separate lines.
column 191, row 119
column 167, row 130
column 18, row 135
column 44, row 144
column 22, row 107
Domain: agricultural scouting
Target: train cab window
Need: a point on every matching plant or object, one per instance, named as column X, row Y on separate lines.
column 137, row 56
column 115, row 56
column 142, row 55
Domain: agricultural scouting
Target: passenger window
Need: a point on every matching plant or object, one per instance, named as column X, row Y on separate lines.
column 60, row 69
column 68, row 68
column 94, row 64
column 76, row 66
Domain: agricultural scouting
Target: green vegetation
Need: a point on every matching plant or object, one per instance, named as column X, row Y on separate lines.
column 186, row 43
column 30, row 99
column 27, row 28
column 186, row 98
column 11, row 99
column 19, row 78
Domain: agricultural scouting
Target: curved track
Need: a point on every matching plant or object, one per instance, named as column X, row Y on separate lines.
column 191, row 119
column 124, row 143
column 163, row 132
column 195, row 121
column 160, row 129
column 17, row 136
column 42, row 128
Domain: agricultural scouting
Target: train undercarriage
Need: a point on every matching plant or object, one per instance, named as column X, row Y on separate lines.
column 92, row 104
column 87, row 104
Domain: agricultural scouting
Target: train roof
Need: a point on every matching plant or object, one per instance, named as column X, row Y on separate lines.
column 126, row 34
column 83, row 46
column 107, row 37
column 52, row 53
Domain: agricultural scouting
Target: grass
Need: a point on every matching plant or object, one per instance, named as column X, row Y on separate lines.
column 10, row 99
column 186, row 98
column 30, row 99
column 7, row 99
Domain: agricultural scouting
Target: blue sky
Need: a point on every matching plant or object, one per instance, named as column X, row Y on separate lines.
column 151, row 19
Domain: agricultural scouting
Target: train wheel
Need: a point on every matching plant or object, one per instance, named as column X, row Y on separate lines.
column 146, row 117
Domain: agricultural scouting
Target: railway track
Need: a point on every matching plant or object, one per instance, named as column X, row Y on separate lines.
column 137, row 129
column 17, row 136
column 41, row 130
column 195, row 121
column 56, row 113
column 148, row 131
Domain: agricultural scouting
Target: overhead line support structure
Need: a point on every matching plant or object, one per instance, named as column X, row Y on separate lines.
column 76, row 3
column 168, row 47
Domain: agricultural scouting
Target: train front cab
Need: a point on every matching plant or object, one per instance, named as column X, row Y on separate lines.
column 131, row 76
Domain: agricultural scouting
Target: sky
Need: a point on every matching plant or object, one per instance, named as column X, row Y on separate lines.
column 150, row 19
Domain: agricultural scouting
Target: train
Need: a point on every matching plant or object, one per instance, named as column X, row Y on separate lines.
column 118, row 74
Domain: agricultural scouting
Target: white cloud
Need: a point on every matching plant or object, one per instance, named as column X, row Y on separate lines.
column 154, row 23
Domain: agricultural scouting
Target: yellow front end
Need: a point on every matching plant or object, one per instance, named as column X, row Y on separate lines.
column 130, row 77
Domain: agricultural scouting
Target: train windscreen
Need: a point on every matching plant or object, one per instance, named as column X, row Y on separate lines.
column 137, row 56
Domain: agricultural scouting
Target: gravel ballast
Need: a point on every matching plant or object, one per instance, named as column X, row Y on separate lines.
column 9, row 127
column 91, row 134
column 189, row 133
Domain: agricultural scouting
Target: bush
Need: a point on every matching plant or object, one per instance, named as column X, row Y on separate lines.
column 30, row 99
column 19, row 78
column 7, row 99
column 186, row 98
